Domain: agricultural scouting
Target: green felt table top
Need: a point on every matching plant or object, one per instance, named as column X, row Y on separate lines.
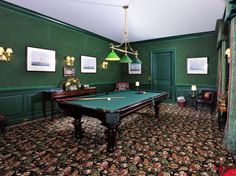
column 117, row 100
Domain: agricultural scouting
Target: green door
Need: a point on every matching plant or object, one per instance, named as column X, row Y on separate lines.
column 162, row 72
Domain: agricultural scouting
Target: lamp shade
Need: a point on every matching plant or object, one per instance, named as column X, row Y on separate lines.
column 9, row 51
column 227, row 52
column 112, row 56
column 125, row 59
column 136, row 60
column 194, row 88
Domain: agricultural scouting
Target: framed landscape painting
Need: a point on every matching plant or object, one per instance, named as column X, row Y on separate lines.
column 134, row 68
column 88, row 64
column 39, row 59
column 198, row 65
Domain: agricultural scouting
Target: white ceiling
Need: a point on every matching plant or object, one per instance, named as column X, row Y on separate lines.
column 147, row 19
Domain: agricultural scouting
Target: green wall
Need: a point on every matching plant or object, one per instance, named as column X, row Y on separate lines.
column 195, row 45
column 20, row 91
column 20, row 28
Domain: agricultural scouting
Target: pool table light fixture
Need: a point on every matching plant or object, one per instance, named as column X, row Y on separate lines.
column 112, row 56
column 5, row 55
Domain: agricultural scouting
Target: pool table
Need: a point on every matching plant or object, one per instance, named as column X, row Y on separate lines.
column 109, row 108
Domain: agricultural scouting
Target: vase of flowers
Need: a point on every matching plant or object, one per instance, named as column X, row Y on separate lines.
column 71, row 84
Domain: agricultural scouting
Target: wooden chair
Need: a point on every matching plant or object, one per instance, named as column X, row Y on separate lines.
column 121, row 86
column 207, row 97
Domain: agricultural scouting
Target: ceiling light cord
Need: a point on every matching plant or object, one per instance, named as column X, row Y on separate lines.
column 104, row 4
column 126, row 29
column 125, row 37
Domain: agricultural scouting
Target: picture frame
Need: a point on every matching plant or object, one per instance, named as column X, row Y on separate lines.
column 88, row 64
column 69, row 71
column 197, row 65
column 134, row 68
column 39, row 59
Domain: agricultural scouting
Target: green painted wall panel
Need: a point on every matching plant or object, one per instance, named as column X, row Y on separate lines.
column 185, row 90
column 20, row 29
column 196, row 45
column 12, row 105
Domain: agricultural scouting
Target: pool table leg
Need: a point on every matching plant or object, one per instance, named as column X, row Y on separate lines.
column 77, row 127
column 111, row 133
column 157, row 108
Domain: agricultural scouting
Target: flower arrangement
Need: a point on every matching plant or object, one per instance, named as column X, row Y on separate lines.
column 71, row 84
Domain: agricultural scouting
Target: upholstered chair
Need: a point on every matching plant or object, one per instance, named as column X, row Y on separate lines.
column 207, row 97
column 121, row 86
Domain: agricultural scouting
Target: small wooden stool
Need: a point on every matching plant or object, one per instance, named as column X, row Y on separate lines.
column 3, row 123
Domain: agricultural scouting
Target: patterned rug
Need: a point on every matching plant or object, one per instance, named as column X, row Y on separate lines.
column 181, row 142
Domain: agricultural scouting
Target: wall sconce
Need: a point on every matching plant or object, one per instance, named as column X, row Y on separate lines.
column 193, row 89
column 5, row 55
column 69, row 61
column 104, row 65
column 227, row 54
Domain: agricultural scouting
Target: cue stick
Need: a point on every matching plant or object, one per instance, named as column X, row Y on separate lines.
column 98, row 98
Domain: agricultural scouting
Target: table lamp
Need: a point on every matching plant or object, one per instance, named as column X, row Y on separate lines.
column 137, row 84
column 193, row 89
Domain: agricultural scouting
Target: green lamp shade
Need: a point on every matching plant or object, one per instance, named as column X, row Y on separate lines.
column 136, row 60
column 112, row 56
column 125, row 59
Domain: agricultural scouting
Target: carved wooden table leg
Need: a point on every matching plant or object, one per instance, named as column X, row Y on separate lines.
column 3, row 123
column 111, row 133
column 78, row 127
column 157, row 108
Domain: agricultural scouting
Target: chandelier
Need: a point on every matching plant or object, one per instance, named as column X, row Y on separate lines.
column 124, row 47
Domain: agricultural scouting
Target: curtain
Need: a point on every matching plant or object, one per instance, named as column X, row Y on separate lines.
column 230, row 129
column 221, row 47
column 230, row 10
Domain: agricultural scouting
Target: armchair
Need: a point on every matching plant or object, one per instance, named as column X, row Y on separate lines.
column 121, row 86
column 207, row 97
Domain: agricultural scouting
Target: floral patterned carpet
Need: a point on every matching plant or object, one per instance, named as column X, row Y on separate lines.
column 182, row 142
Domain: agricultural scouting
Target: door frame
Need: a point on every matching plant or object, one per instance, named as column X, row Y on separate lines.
column 173, row 61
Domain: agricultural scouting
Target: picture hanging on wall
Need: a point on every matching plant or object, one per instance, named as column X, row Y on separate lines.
column 134, row 68
column 39, row 59
column 198, row 65
column 69, row 72
column 88, row 64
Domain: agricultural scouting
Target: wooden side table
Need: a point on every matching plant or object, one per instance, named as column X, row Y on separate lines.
column 192, row 100
column 53, row 95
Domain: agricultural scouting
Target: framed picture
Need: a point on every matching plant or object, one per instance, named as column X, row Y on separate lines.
column 134, row 68
column 69, row 71
column 198, row 65
column 88, row 64
column 41, row 59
